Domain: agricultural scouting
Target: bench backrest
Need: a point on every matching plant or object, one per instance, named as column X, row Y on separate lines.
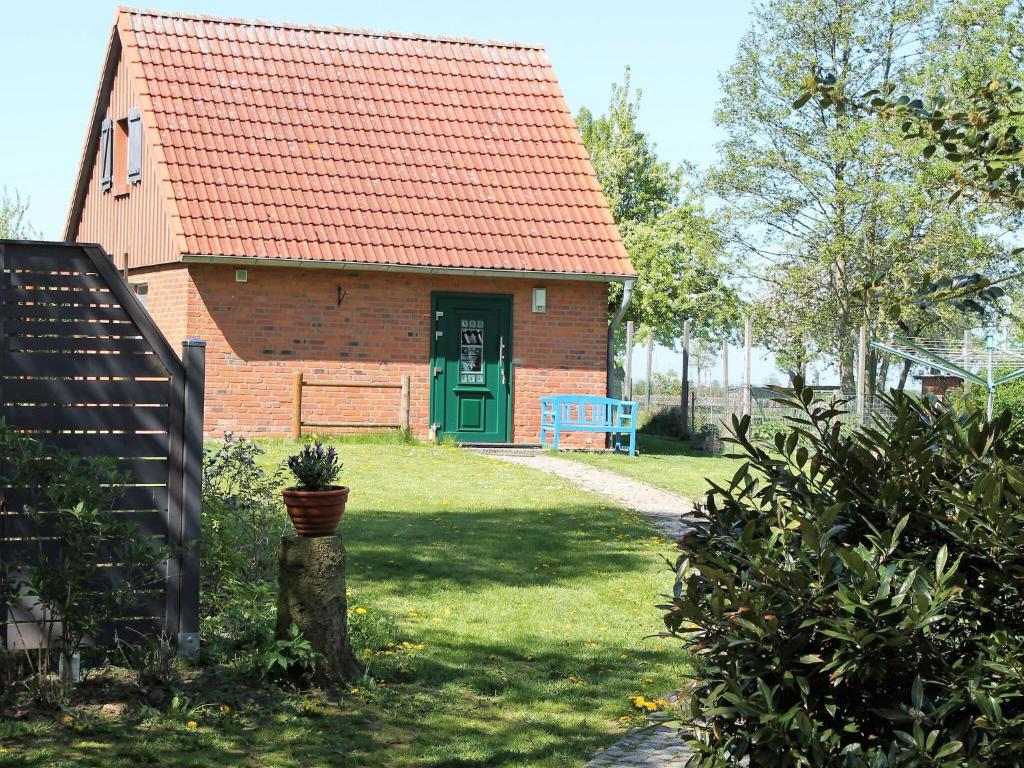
column 586, row 410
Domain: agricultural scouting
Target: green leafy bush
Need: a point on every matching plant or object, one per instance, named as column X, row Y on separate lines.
column 243, row 519
column 855, row 599
column 1008, row 397
column 64, row 568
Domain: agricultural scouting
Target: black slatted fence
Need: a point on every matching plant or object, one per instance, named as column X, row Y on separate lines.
column 84, row 368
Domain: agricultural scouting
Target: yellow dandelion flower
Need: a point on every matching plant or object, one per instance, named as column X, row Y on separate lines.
column 354, row 690
column 192, row 725
column 361, row 611
column 225, row 708
column 67, row 720
column 421, row 646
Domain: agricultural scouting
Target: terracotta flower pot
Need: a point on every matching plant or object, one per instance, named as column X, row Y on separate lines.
column 315, row 513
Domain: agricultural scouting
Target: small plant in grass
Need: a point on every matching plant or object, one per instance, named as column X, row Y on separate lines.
column 854, row 599
column 315, row 467
column 291, row 655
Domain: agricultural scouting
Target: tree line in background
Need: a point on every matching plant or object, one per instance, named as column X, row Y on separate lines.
column 829, row 216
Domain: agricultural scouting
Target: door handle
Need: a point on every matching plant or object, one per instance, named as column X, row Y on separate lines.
column 501, row 358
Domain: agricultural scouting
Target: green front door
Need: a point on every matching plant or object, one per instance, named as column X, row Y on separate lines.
column 469, row 399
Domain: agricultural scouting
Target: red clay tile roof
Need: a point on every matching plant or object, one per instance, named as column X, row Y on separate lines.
column 338, row 145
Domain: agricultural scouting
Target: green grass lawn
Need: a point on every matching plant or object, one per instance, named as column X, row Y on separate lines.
column 667, row 463
column 525, row 602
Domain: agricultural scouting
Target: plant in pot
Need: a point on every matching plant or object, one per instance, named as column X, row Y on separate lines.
column 315, row 504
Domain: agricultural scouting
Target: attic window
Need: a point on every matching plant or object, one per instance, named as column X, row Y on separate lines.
column 121, row 152
column 121, row 156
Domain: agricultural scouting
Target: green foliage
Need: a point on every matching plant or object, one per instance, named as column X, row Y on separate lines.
column 674, row 247
column 13, row 222
column 825, row 202
column 969, row 129
column 1009, row 397
column 315, row 467
column 289, row 655
column 242, row 628
column 243, row 519
column 856, row 599
column 639, row 187
column 371, row 630
column 78, row 536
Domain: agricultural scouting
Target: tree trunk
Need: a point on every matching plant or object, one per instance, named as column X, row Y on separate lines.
column 904, row 373
column 883, row 374
column 311, row 595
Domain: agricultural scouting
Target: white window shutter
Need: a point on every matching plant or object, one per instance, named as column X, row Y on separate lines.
column 134, row 146
column 106, row 154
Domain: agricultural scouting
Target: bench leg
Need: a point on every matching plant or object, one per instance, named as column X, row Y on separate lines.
column 556, row 438
column 632, row 443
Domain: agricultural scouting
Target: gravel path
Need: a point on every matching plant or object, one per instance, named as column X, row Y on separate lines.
column 655, row 746
column 669, row 512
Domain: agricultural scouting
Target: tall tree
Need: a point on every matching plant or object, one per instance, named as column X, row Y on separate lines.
column 13, row 221
column 675, row 247
column 826, row 202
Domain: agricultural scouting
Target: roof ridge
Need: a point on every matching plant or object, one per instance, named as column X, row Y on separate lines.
column 336, row 30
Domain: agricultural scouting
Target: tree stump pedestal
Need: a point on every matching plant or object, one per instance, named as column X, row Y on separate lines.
column 311, row 594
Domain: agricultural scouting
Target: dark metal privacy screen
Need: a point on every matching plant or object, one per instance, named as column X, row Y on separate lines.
column 84, row 368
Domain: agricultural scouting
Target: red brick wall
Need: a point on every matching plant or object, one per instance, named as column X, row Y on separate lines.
column 285, row 320
column 170, row 292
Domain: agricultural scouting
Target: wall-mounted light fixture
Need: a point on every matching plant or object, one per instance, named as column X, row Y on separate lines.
column 241, row 275
column 540, row 299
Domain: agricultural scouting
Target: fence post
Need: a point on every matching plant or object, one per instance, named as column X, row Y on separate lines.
column 693, row 407
column 297, row 407
column 684, row 400
column 194, row 360
column 747, row 344
column 405, row 403
column 3, row 510
column 725, row 366
column 862, row 384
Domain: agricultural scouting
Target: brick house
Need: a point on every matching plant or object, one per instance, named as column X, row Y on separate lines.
column 358, row 207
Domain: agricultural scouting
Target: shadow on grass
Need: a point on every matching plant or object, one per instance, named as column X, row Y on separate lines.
column 482, row 704
column 660, row 445
column 509, row 546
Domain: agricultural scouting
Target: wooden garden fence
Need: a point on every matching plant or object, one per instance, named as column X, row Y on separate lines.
column 401, row 420
column 84, row 368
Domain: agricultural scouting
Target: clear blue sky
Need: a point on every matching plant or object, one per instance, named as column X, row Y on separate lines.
column 51, row 53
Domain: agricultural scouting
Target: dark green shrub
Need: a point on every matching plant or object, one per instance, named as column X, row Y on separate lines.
column 661, row 421
column 855, row 599
column 243, row 519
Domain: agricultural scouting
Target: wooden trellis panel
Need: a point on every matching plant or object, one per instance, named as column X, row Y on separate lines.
column 84, row 368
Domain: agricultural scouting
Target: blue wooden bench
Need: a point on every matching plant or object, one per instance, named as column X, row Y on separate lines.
column 586, row 413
